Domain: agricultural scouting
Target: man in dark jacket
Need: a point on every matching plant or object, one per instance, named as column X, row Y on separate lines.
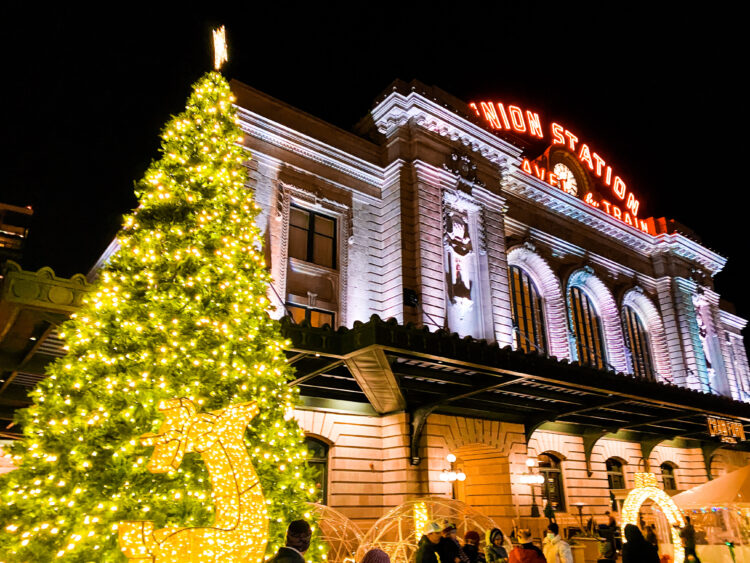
column 298, row 536
column 449, row 550
column 427, row 550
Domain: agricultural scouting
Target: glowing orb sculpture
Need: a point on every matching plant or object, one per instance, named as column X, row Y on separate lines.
column 399, row 531
column 240, row 529
column 646, row 487
column 341, row 534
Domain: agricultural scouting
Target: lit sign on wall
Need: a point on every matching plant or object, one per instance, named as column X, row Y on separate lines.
column 514, row 119
column 730, row 431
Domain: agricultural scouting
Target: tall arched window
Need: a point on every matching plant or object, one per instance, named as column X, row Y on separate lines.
column 636, row 339
column 318, row 461
column 667, row 476
column 615, row 479
column 587, row 329
column 528, row 313
column 552, row 488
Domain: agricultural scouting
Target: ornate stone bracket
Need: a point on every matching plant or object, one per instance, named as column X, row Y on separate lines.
column 418, row 420
column 647, row 446
column 590, row 438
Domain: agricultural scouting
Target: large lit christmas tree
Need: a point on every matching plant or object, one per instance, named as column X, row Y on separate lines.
column 180, row 311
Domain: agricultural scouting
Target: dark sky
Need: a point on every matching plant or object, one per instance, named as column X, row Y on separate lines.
column 86, row 94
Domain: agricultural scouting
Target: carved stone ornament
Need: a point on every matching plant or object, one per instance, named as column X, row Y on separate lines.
column 461, row 164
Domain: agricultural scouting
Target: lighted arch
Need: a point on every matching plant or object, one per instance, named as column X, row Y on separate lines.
column 646, row 487
column 605, row 305
column 553, row 300
column 649, row 314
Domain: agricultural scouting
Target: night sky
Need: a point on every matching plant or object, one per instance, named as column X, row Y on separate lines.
column 86, row 94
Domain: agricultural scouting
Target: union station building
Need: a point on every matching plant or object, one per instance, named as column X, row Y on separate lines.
column 467, row 279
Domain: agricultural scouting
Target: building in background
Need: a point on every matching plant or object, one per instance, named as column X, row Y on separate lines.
column 470, row 279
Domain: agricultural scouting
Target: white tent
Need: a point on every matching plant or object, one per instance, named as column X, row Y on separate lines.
column 720, row 513
column 730, row 490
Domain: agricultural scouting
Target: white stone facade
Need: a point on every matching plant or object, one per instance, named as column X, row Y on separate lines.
column 431, row 209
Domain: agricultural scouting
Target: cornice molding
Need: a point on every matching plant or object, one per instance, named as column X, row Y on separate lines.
column 278, row 135
column 396, row 110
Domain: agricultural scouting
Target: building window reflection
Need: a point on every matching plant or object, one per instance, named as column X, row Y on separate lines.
column 668, row 477
column 318, row 461
column 615, row 479
column 637, row 342
column 552, row 488
column 312, row 237
column 528, row 313
column 587, row 329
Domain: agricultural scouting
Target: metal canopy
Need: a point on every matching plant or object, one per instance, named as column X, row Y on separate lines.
column 442, row 373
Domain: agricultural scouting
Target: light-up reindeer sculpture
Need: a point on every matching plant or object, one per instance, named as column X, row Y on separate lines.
column 240, row 529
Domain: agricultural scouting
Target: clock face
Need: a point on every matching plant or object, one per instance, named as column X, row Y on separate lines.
column 567, row 179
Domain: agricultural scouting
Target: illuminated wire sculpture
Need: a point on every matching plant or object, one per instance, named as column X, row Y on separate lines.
column 341, row 534
column 646, row 487
column 240, row 529
column 399, row 531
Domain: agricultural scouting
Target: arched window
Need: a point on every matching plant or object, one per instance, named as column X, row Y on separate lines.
column 318, row 461
column 528, row 313
column 636, row 339
column 552, row 488
column 615, row 479
column 587, row 329
column 667, row 477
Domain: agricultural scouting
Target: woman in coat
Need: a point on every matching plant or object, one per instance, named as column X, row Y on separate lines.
column 636, row 549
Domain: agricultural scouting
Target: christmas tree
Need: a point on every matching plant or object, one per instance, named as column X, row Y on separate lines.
column 180, row 311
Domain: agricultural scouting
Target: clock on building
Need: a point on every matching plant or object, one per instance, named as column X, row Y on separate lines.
column 567, row 178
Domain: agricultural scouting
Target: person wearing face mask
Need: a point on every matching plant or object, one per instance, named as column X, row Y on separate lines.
column 556, row 550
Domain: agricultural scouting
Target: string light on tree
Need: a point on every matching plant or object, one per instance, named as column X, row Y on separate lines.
column 179, row 311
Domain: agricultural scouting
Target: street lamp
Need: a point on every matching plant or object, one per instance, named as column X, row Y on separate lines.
column 450, row 476
column 530, row 478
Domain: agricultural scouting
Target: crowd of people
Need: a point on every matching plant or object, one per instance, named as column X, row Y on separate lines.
column 440, row 544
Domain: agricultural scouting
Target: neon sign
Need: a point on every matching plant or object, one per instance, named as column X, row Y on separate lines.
column 730, row 431
column 514, row 119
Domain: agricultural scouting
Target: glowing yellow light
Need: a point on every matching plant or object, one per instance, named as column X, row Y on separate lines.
column 220, row 47
column 240, row 528
column 646, row 488
column 421, row 518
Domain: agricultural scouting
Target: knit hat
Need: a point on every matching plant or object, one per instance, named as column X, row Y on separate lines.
column 298, row 535
column 472, row 535
column 376, row 556
column 524, row 536
column 448, row 527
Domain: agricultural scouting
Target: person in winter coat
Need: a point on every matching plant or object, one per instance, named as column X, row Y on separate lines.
column 527, row 552
column 556, row 549
column 427, row 549
column 449, row 550
column 471, row 547
column 495, row 551
column 298, row 536
column 636, row 549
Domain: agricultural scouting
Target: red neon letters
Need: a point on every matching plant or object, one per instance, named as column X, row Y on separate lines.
column 627, row 216
column 513, row 118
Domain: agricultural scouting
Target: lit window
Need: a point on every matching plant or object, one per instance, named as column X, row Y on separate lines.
column 312, row 237
column 667, row 477
column 528, row 313
column 318, row 461
column 552, row 488
column 636, row 339
column 314, row 317
column 587, row 329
